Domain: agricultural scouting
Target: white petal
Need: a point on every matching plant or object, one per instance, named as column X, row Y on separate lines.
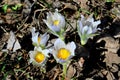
column 34, row 36
column 96, row 23
column 58, row 16
column 79, row 29
column 33, row 31
column 44, row 39
column 71, row 47
column 89, row 31
column 55, row 28
column 80, row 25
column 59, row 44
column 54, row 53
column 49, row 18
column 62, row 22
column 35, row 39
column 51, row 26
column 31, row 53
column 45, row 52
column 48, row 24
column 82, row 19
column 85, row 28
column 38, row 49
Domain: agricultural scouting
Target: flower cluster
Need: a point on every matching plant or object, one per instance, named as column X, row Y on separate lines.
column 61, row 51
column 39, row 55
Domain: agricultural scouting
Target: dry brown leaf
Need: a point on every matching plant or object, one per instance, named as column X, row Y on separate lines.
column 111, row 44
column 117, row 0
column 3, row 40
column 11, row 2
column 70, row 72
column 112, row 58
column 70, row 6
column 110, row 76
column 13, row 43
column 74, row 69
column 83, row 4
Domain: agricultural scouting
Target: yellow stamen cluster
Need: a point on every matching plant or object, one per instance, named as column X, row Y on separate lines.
column 39, row 57
column 63, row 53
column 56, row 22
column 39, row 39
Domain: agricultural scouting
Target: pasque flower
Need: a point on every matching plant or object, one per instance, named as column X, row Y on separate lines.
column 39, row 40
column 63, row 52
column 38, row 56
column 87, row 28
column 56, row 23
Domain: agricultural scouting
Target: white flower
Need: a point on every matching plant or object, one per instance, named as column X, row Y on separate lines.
column 55, row 22
column 62, row 52
column 39, row 40
column 87, row 28
column 38, row 57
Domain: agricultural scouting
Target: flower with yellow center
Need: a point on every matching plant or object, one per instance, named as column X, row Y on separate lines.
column 55, row 22
column 38, row 56
column 87, row 28
column 63, row 52
column 39, row 40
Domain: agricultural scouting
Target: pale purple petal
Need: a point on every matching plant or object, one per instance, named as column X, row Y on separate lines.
column 44, row 39
column 59, row 44
column 71, row 47
column 89, row 31
column 80, row 25
column 85, row 29
column 96, row 23
column 35, row 38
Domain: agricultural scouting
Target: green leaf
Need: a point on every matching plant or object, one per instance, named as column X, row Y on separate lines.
column 16, row 7
column 3, row 68
column 5, row 7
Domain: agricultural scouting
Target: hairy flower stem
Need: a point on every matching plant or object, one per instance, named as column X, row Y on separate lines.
column 62, row 37
column 64, row 70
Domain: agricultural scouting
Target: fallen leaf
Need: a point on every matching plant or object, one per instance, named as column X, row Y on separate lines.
column 13, row 43
column 112, row 58
column 16, row 46
column 70, row 72
column 110, row 76
column 83, row 4
column 111, row 44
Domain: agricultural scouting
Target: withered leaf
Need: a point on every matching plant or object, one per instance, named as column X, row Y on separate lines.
column 13, row 43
